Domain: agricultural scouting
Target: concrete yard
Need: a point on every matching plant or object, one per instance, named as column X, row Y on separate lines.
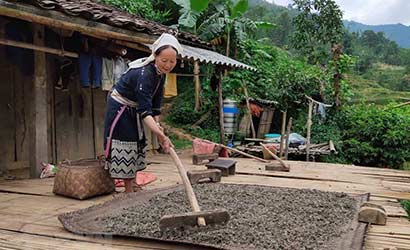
column 29, row 209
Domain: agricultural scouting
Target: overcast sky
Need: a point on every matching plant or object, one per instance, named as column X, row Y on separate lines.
column 371, row 11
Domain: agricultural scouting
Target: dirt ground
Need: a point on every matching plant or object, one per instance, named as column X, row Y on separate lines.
column 261, row 217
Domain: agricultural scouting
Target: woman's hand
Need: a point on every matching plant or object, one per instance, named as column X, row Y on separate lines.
column 166, row 144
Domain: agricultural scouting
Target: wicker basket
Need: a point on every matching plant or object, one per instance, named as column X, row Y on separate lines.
column 82, row 179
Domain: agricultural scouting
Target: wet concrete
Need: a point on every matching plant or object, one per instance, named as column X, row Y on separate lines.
column 261, row 217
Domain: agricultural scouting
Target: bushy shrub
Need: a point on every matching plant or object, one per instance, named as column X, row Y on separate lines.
column 376, row 136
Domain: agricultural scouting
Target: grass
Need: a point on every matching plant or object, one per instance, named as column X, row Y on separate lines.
column 406, row 206
column 379, row 85
column 180, row 143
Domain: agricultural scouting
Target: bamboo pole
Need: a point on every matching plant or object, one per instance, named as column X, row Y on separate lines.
column 308, row 126
column 249, row 109
column 242, row 153
column 282, row 133
column 197, row 86
column 37, row 48
column 221, row 114
column 287, row 137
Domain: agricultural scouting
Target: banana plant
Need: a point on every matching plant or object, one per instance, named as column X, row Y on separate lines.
column 190, row 12
column 228, row 21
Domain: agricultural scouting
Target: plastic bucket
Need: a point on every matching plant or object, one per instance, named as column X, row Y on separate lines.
column 229, row 110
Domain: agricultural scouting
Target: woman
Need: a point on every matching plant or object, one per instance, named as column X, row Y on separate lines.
column 136, row 99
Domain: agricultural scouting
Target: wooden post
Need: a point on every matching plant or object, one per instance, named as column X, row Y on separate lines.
column 282, row 134
column 308, row 125
column 40, row 127
column 221, row 113
column 287, row 137
column 249, row 109
column 197, row 86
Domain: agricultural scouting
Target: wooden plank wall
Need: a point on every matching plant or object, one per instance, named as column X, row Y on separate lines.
column 14, row 116
column 73, row 119
column 7, row 123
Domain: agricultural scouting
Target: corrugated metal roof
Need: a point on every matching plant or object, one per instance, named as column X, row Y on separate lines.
column 213, row 57
column 209, row 56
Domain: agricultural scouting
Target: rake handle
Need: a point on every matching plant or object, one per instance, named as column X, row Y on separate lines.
column 187, row 184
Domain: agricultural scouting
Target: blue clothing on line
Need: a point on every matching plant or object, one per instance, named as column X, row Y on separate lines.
column 90, row 64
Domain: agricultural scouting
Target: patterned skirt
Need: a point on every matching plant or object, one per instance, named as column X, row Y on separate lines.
column 128, row 144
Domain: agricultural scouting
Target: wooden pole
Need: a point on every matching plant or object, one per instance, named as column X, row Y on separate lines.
column 249, row 109
column 332, row 147
column 308, row 126
column 287, row 137
column 37, row 48
column 274, row 156
column 221, row 113
column 282, row 134
column 197, row 86
column 187, row 184
column 40, row 127
column 242, row 153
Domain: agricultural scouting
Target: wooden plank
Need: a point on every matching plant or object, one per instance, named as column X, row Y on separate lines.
column 74, row 126
column 37, row 241
column 265, row 122
column 7, row 113
column 40, row 138
column 100, row 98
column 23, row 85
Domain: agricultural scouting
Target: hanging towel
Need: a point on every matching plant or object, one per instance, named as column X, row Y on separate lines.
column 170, row 85
column 107, row 74
column 120, row 66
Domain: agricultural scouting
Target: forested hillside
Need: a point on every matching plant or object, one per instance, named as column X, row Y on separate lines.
column 300, row 51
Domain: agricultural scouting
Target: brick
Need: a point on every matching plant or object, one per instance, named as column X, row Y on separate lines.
column 195, row 176
column 276, row 166
column 197, row 159
column 227, row 167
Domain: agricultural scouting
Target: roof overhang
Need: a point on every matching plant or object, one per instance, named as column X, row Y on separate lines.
column 94, row 28
column 209, row 56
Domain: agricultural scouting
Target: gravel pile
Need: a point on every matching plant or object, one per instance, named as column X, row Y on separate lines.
column 261, row 217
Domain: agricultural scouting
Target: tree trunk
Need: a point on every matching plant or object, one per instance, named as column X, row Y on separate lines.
column 337, row 76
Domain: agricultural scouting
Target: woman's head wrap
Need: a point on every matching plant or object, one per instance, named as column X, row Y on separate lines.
column 163, row 40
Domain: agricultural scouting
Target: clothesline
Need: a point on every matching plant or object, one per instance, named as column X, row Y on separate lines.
column 312, row 100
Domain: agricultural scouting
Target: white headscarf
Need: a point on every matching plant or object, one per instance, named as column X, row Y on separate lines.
column 164, row 39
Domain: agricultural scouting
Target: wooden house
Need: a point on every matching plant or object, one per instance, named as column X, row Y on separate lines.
column 38, row 38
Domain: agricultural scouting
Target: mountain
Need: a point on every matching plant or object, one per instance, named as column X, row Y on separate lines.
column 397, row 32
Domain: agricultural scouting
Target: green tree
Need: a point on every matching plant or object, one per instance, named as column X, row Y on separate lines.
column 319, row 23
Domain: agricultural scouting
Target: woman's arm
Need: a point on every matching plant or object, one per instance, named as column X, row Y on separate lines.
column 163, row 139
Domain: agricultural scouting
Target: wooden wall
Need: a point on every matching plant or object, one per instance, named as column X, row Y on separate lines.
column 77, row 119
column 14, row 117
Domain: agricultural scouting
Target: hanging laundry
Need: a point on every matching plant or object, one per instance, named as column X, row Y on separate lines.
column 120, row 66
column 107, row 78
column 90, row 70
column 321, row 109
column 170, row 85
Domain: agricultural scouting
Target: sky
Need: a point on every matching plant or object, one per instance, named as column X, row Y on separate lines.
column 371, row 12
